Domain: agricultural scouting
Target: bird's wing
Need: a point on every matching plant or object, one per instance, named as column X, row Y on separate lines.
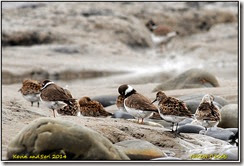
column 140, row 102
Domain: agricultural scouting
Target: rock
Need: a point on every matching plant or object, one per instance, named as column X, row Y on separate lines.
column 51, row 136
column 28, row 38
column 139, row 150
column 117, row 130
column 229, row 116
column 219, row 133
column 232, row 153
column 106, row 100
column 193, row 78
column 166, row 158
column 189, row 128
column 185, row 121
column 234, row 130
column 123, row 115
column 127, row 30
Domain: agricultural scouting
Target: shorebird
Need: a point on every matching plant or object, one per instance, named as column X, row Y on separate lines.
column 136, row 104
column 93, row 108
column 54, row 96
column 31, row 91
column 207, row 113
column 71, row 109
column 161, row 34
column 120, row 103
column 171, row 109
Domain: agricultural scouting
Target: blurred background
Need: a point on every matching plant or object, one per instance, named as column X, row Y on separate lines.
column 94, row 43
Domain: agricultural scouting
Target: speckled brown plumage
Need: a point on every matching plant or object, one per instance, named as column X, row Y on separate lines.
column 31, row 91
column 120, row 103
column 207, row 110
column 71, row 109
column 93, row 108
column 30, row 87
column 172, row 106
column 156, row 116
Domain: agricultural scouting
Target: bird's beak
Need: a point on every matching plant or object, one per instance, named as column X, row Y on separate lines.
column 154, row 101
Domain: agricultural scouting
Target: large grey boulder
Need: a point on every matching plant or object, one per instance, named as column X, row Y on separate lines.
column 229, row 116
column 140, row 150
column 192, row 78
column 52, row 136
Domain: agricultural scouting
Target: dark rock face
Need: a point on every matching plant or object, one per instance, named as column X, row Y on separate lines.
column 190, row 128
column 27, row 38
column 193, row 78
column 51, row 136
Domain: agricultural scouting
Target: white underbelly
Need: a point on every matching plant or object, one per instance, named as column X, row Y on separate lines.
column 173, row 118
column 32, row 97
column 138, row 113
column 208, row 123
column 54, row 104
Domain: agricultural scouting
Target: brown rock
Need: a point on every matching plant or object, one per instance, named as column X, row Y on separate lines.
column 140, row 150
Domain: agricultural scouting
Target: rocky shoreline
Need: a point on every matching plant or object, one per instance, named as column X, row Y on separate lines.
column 92, row 50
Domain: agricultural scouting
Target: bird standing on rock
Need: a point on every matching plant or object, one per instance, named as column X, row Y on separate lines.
column 207, row 113
column 171, row 109
column 136, row 104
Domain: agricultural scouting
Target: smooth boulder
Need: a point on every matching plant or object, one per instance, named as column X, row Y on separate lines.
column 189, row 128
column 106, row 100
column 122, row 115
column 192, row 78
column 139, row 149
column 54, row 136
column 229, row 116
column 219, row 133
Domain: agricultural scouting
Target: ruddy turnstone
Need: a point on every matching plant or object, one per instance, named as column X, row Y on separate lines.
column 207, row 113
column 161, row 34
column 171, row 109
column 54, row 96
column 136, row 104
column 31, row 91
column 93, row 108
column 120, row 103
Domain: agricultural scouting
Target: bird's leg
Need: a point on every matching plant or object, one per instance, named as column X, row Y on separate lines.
column 176, row 126
column 172, row 127
column 54, row 113
column 38, row 104
column 138, row 120
column 32, row 103
column 142, row 121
